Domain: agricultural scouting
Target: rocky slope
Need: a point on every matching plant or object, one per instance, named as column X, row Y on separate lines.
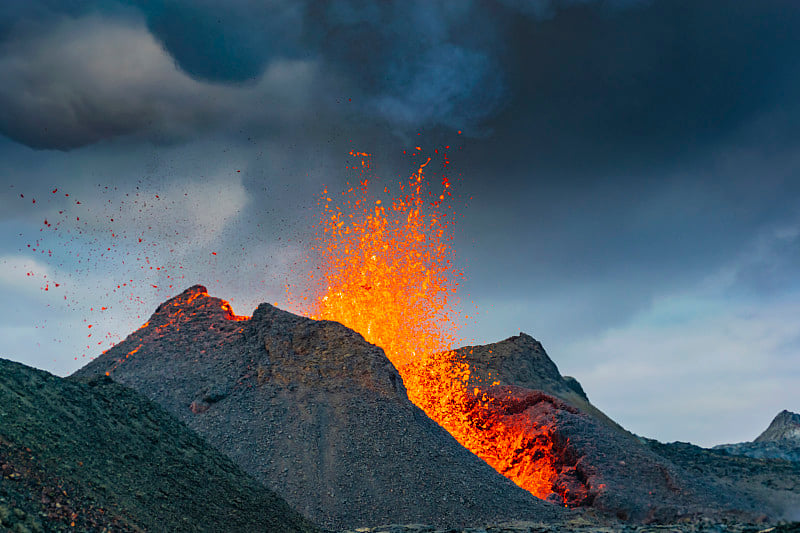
column 523, row 362
column 97, row 456
column 314, row 412
column 781, row 440
column 601, row 465
column 773, row 485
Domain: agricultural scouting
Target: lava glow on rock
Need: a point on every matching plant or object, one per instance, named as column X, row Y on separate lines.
column 385, row 269
column 173, row 316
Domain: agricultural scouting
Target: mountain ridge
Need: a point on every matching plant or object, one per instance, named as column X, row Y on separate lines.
column 313, row 411
column 781, row 440
column 322, row 417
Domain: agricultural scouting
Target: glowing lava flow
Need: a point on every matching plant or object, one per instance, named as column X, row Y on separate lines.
column 386, row 271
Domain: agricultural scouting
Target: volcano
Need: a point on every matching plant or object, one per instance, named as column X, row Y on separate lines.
column 313, row 411
column 323, row 418
column 521, row 406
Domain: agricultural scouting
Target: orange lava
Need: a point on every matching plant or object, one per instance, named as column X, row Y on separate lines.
column 385, row 269
column 230, row 315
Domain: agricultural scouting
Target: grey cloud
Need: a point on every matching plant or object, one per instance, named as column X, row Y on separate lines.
column 589, row 254
column 562, row 71
column 93, row 78
column 234, row 43
column 407, row 62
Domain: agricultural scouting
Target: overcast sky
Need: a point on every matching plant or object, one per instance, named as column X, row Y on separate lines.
column 628, row 175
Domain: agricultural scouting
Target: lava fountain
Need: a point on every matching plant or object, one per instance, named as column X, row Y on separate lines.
column 385, row 268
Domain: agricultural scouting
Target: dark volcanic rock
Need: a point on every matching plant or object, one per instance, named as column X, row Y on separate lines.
column 606, row 470
column 786, row 451
column 313, row 411
column 581, row 525
column 522, row 361
column 781, row 440
column 772, row 484
column 98, row 456
column 606, row 467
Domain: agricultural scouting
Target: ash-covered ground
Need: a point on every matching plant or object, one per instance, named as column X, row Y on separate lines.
column 97, row 456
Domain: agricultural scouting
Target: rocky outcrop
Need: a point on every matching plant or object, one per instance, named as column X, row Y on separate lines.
column 522, row 361
column 781, row 440
column 313, row 411
column 599, row 464
column 97, row 456
column 605, row 470
column 785, row 427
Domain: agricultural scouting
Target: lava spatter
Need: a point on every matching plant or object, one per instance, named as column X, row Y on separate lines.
column 386, row 269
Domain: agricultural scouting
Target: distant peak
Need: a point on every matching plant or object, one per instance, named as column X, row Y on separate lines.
column 785, row 426
column 787, row 417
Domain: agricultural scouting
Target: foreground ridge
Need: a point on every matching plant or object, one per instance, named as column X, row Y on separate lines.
column 582, row 525
column 96, row 456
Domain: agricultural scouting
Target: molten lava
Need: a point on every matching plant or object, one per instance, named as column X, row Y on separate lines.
column 385, row 270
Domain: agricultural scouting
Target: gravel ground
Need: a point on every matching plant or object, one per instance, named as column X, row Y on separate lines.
column 581, row 525
column 99, row 457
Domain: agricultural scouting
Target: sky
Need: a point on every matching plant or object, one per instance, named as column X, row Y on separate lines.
column 627, row 176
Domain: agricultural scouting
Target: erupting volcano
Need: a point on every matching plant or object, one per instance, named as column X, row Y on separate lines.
column 330, row 412
column 386, row 270
column 326, row 420
column 386, row 267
